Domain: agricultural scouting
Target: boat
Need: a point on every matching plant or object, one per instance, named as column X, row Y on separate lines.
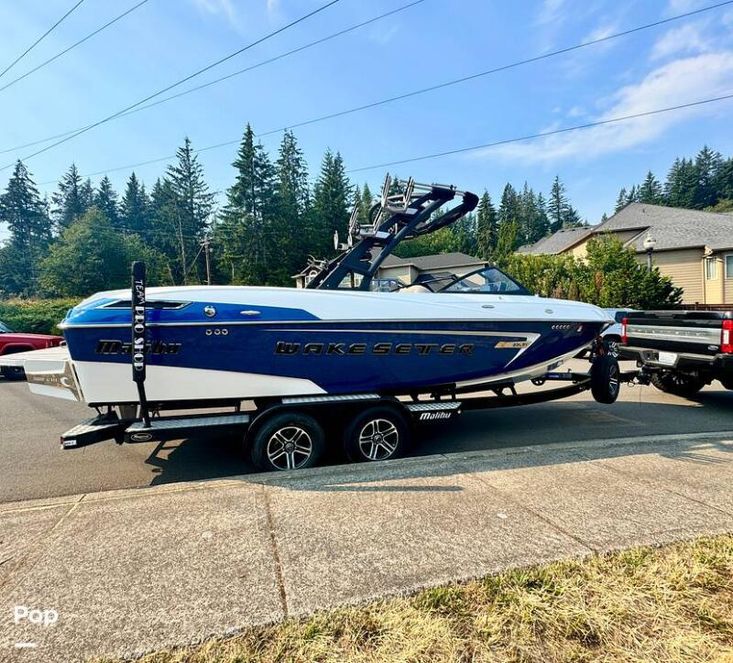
column 334, row 337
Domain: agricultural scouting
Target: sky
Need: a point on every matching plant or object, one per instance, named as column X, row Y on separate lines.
column 427, row 44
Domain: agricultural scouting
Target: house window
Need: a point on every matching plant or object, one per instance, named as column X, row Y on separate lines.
column 729, row 266
column 711, row 269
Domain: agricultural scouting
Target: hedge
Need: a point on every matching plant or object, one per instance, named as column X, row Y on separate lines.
column 38, row 316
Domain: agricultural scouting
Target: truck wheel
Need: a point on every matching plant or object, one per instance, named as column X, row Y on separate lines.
column 12, row 372
column 605, row 379
column 378, row 433
column 612, row 342
column 288, row 441
column 679, row 384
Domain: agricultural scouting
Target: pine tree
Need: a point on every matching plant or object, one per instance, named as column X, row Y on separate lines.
column 292, row 216
column 244, row 233
column 106, row 201
column 621, row 201
column 486, row 228
column 650, row 191
column 367, row 202
column 73, row 198
column 26, row 216
column 194, row 205
column 134, row 208
column 707, row 166
column 681, row 185
column 509, row 207
column 331, row 194
column 557, row 205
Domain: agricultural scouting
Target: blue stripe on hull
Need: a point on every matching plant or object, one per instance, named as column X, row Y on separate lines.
column 345, row 357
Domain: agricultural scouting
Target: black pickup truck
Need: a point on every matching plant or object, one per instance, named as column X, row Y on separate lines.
column 680, row 351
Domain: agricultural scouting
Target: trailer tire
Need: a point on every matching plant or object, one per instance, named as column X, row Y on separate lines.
column 605, row 379
column 379, row 433
column 288, row 441
column 679, row 384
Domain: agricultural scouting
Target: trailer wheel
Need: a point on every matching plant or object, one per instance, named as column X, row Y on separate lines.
column 605, row 379
column 679, row 384
column 288, row 441
column 378, row 433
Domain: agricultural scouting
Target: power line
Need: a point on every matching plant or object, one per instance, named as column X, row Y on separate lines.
column 228, row 76
column 74, row 45
column 542, row 134
column 439, row 86
column 179, row 82
column 39, row 40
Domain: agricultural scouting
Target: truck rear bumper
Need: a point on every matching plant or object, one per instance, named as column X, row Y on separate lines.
column 713, row 364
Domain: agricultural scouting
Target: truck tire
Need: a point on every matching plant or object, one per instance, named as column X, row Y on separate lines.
column 379, row 433
column 288, row 441
column 605, row 379
column 679, row 384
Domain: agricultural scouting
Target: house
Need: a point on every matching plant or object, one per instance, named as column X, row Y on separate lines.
column 693, row 248
column 404, row 271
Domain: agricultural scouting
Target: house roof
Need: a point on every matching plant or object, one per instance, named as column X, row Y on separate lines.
column 561, row 241
column 432, row 262
column 672, row 227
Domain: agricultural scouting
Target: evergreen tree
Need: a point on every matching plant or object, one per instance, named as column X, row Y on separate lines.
column 650, row 191
column 73, row 198
column 724, row 180
column 486, row 228
column 707, row 167
column 560, row 212
column 26, row 216
column 509, row 206
column 244, row 233
column 292, row 211
column 134, row 208
column 367, row 202
column 193, row 207
column 331, row 194
column 105, row 201
column 621, row 201
column 681, row 185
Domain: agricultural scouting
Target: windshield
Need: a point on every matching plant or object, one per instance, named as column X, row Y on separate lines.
column 4, row 329
column 487, row 280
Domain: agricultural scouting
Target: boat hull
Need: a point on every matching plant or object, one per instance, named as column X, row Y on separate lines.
column 228, row 360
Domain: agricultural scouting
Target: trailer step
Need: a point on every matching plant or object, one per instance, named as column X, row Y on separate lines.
column 173, row 428
column 91, row 431
column 429, row 412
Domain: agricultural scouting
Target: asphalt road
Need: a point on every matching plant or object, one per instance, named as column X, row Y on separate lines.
column 32, row 465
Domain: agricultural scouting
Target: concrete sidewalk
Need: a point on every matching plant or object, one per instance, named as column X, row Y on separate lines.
column 137, row 570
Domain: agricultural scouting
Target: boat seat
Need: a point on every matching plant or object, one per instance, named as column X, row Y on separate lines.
column 415, row 287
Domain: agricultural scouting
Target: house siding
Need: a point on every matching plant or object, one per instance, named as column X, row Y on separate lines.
column 685, row 268
column 727, row 282
column 581, row 250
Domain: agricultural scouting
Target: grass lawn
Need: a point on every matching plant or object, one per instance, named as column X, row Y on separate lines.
column 646, row 604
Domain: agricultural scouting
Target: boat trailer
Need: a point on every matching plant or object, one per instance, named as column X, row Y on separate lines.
column 374, row 426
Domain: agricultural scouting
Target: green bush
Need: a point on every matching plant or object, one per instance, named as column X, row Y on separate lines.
column 38, row 316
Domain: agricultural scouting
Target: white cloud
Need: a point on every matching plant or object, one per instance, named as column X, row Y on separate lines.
column 273, row 6
column 687, row 38
column 682, row 81
column 218, row 7
column 551, row 11
column 682, row 6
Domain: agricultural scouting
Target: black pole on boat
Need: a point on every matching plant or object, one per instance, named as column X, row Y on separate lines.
column 139, row 337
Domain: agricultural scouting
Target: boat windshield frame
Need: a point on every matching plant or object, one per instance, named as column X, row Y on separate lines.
column 518, row 289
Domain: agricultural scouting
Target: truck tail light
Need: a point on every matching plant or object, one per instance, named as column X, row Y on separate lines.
column 624, row 334
column 726, row 337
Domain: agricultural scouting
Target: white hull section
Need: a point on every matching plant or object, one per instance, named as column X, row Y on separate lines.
column 112, row 383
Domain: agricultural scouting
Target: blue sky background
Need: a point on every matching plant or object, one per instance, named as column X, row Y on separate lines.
column 431, row 42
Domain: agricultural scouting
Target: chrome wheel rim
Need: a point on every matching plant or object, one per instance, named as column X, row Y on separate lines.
column 289, row 448
column 378, row 439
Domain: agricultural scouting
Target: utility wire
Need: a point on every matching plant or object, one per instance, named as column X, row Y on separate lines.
column 39, row 40
column 179, row 82
column 74, row 45
column 505, row 141
column 228, row 76
column 432, row 88
column 542, row 134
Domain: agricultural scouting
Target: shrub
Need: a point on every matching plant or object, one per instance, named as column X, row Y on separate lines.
column 37, row 316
